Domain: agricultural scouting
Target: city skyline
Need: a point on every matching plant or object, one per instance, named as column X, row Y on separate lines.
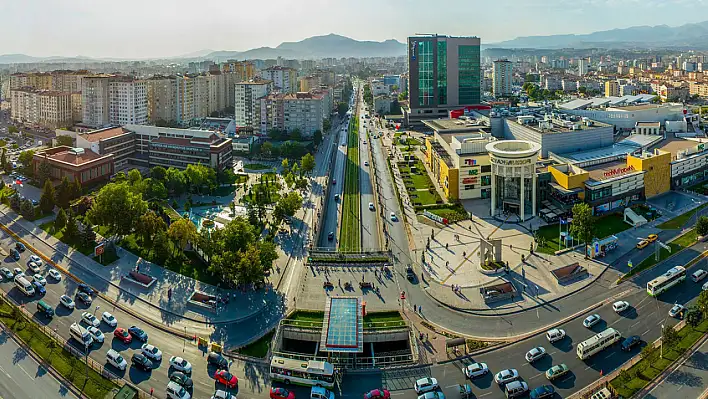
column 168, row 29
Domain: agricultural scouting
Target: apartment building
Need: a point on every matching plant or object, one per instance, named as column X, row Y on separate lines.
column 303, row 111
column 184, row 100
column 502, row 77
column 246, row 94
column 270, row 113
column 612, row 88
column 68, row 80
column 699, row 89
column 201, row 96
column 283, row 78
column 162, row 98
column 37, row 80
column 45, row 108
column 95, row 100
column 308, row 83
column 245, row 70
column 128, row 101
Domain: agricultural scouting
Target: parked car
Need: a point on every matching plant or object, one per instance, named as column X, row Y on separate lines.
column 54, row 274
column 123, row 335
column 96, row 334
column 432, row 395
column 85, row 298
column 141, row 361
column 281, row 393
column 138, row 333
column 475, row 370
column 90, row 319
column 6, row 273
column 217, row 360
column 544, row 391
column 180, row 364
column 109, row 319
column 67, row 302
column 182, row 379
column 152, row 352
column 176, row 391
column 116, row 360
column 86, row 289
column 378, row 394
column 506, row 376
column 226, row 378
column 39, row 288
column 425, row 384
column 591, row 320
column 676, row 310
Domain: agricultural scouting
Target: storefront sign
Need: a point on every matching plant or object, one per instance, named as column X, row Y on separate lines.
column 414, row 45
column 618, row 171
column 470, row 162
column 510, row 162
column 470, row 180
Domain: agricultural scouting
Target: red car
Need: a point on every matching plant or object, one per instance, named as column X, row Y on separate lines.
column 378, row 394
column 122, row 334
column 281, row 393
column 226, row 378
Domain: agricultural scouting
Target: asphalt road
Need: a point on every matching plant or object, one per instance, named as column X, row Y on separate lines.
column 369, row 226
column 250, row 378
column 21, row 377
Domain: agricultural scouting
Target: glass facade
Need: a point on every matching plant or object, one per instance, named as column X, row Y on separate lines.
column 442, row 73
column 425, row 73
column 469, row 75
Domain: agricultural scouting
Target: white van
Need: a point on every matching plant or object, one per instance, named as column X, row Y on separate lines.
column 116, row 360
column 23, row 285
column 699, row 275
column 81, row 334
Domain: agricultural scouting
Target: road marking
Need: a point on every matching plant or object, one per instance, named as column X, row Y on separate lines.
column 588, row 368
column 553, row 353
column 610, row 355
column 397, row 393
column 536, row 376
column 450, row 386
column 646, row 332
column 632, row 326
column 25, row 371
column 488, row 393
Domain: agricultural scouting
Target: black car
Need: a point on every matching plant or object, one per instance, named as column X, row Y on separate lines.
column 141, row 361
column 84, row 297
column 83, row 287
column 330, row 236
column 216, row 359
column 20, row 247
column 138, row 333
column 182, row 379
column 630, row 342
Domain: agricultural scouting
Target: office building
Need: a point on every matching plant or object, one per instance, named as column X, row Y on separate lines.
column 246, row 95
column 502, row 78
column 284, row 79
column 117, row 141
column 612, row 88
column 76, row 164
column 444, row 74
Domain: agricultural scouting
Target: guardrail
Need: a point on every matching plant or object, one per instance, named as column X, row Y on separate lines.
column 376, row 362
column 318, row 325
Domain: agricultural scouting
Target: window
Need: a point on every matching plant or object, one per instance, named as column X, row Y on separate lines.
column 486, row 168
column 425, row 73
column 469, row 74
column 442, row 72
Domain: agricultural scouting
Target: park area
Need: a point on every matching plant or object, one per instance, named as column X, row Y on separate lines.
column 548, row 237
column 420, row 188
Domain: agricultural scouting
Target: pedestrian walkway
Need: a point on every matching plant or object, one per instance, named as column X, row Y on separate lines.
column 154, row 302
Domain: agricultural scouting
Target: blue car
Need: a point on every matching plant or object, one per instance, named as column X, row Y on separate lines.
column 544, row 391
column 83, row 287
column 138, row 333
column 39, row 288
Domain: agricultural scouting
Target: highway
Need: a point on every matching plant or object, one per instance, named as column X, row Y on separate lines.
column 369, row 226
column 21, row 377
column 332, row 218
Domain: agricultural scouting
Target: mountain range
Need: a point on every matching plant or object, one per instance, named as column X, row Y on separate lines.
column 331, row 45
column 694, row 35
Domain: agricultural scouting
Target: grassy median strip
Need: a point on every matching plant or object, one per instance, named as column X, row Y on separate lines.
column 51, row 351
column 652, row 364
column 349, row 237
column 680, row 220
column 679, row 244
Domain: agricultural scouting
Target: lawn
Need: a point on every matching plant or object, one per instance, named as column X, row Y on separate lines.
column 256, row 166
column 60, row 359
column 192, row 267
column 306, row 318
column 680, row 220
column 349, row 234
column 76, row 243
column 259, row 348
column 451, row 212
column 604, row 226
column 383, row 320
column 639, row 375
column 424, row 197
column 421, row 182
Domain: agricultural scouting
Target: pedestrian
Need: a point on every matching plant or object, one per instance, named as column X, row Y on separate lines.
column 339, row 282
column 420, row 309
column 414, row 307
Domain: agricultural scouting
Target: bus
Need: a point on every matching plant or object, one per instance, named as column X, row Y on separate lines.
column 667, row 280
column 598, row 342
column 302, row 372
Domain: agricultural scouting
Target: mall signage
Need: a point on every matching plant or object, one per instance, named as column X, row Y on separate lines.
column 618, row 171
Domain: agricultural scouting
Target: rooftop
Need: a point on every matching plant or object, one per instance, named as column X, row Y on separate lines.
column 676, row 145
column 556, row 123
column 648, row 124
column 103, row 134
column 455, row 125
column 72, row 156
column 344, row 325
column 610, row 170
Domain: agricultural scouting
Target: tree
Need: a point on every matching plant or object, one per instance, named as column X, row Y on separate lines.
column 403, row 96
column 671, row 336
column 15, row 202
column 267, row 149
column 702, row 302
column 249, row 269
column 287, row 206
column 71, row 230
column 161, row 245
column 158, row 173
column 175, row 181
column 296, row 134
column 46, row 202
column 43, row 171
column 181, row 232
column 3, row 159
column 317, row 137
column 60, row 220
column 25, row 158
column 154, row 189
column 76, row 190
column 64, row 193
column 12, row 129
column 149, row 224
column 27, row 209
column 64, row 140
column 326, row 125
column 118, row 208
column 307, row 162
column 694, row 317
column 134, row 176
column 582, row 226
column 702, row 226
column 342, row 108
column 199, row 175
column 285, row 164
column 649, row 352
column 582, row 89
column 88, row 236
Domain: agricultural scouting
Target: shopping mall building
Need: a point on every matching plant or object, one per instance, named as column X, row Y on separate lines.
column 541, row 165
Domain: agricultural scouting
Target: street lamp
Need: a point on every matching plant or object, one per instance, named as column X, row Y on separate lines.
column 96, row 309
column 661, row 355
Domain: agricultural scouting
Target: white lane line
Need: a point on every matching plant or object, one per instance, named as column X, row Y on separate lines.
column 450, row 386
column 536, row 376
column 553, row 353
column 588, row 367
column 632, row 326
column 25, row 371
column 646, row 332
column 397, row 393
column 488, row 393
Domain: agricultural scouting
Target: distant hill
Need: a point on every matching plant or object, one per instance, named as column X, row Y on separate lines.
column 660, row 36
column 314, row 47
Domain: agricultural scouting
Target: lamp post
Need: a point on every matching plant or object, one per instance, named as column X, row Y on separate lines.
column 661, row 354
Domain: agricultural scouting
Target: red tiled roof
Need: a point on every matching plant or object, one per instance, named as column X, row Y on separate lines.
column 104, row 134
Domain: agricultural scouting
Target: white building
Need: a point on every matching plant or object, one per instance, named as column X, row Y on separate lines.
column 246, row 95
column 128, row 102
column 582, row 67
column 284, row 79
column 502, row 77
column 303, row 111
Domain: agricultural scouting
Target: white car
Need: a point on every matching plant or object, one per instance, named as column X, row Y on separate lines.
column 426, row 384
column 555, row 334
column 17, row 271
column 393, row 217
column 371, row 206
column 109, row 319
column 96, row 334
column 705, row 287
column 535, row 354
column 90, row 319
column 475, row 370
column 180, row 364
column 676, row 310
column 620, row 306
column 36, row 259
column 219, row 394
column 116, row 360
column 34, row 267
column 67, row 301
column 591, row 320
column 54, row 274
column 505, row 376
column 152, row 352
column 40, row 279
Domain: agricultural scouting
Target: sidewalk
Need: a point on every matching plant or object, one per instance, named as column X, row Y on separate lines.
column 152, row 302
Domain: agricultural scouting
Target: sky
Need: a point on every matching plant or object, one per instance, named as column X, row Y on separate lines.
column 165, row 28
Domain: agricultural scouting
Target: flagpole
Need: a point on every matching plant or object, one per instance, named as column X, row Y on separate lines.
column 560, row 223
